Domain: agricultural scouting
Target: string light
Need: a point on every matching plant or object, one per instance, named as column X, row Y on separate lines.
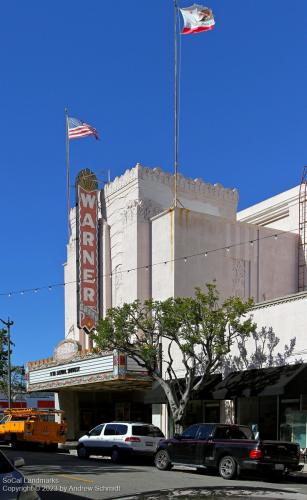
column 251, row 243
column 204, row 253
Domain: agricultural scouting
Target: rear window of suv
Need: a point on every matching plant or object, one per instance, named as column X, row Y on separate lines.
column 146, row 430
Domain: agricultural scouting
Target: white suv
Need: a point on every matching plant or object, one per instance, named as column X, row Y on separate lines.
column 119, row 440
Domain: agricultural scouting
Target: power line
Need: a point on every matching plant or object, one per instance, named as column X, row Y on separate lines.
column 205, row 253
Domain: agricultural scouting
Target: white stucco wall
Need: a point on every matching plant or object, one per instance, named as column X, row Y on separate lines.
column 265, row 269
column 279, row 212
column 162, row 242
column 287, row 317
column 193, row 194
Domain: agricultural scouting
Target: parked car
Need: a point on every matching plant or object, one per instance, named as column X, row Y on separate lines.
column 119, row 440
column 13, row 484
column 228, row 449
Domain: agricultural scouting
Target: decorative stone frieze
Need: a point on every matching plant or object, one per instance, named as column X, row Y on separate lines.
column 54, row 384
column 135, row 378
column 142, row 210
column 238, row 276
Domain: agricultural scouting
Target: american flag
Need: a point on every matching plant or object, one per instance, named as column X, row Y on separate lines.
column 78, row 128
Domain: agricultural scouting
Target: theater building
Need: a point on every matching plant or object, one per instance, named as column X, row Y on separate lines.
column 127, row 242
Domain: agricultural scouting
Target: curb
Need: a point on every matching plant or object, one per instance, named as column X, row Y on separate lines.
column 69, row 445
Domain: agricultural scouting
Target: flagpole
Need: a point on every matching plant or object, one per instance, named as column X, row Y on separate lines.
column 67, row 174
column 175, row 105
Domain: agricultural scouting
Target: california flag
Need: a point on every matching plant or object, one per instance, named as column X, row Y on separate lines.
column 197, row 18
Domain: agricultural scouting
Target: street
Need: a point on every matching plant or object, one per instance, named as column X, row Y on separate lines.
column 64, row 476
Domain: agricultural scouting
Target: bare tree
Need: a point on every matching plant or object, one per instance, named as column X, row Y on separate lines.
column 262, row 355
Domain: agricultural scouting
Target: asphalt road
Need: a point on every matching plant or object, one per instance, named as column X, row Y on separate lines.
column 63, row 476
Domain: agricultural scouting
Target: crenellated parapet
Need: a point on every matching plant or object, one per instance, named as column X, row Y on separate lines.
column 195, row 187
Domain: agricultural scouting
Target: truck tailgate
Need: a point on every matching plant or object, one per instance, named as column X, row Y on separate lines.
column 280, row 451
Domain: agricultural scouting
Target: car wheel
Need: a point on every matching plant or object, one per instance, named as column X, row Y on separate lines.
column 162, row 460
column 115, row 455
column 228, row 467
column 82, row 452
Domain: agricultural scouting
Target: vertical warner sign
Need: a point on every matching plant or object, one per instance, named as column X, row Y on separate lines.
column 87, row 258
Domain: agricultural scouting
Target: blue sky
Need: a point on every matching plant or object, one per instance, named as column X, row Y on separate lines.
column 242, row 120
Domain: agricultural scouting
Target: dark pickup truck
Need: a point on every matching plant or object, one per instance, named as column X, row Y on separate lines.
column 229, row 449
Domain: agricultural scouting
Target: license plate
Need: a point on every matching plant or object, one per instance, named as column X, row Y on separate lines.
column 279, row 467
column 149, row 443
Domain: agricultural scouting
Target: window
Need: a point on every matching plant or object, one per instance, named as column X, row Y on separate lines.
column 233, row 433
column 222, row 433
column 190, row 432
column 47, row 418
column 146, row 430
column 247, row 433
column 96, row 431
column 110, row 430
column 204, row 431
column 121, row 429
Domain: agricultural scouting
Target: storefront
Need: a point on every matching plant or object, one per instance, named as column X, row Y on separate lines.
column 273, row 401
column 201, row 407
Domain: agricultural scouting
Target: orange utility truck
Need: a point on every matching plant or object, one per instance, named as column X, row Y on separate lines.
column 29, row 426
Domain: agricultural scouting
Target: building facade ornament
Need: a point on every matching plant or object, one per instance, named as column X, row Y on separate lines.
column 238, row 276
column 66, row 350
column 142, row 210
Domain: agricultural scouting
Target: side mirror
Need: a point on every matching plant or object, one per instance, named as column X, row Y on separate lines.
column 177, row 436
column 19, row 462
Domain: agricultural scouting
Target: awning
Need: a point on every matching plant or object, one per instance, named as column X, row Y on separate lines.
column 157, row 395
column 288, row 379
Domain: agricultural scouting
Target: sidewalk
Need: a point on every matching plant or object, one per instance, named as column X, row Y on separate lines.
column 304, row 469
column 69, row 445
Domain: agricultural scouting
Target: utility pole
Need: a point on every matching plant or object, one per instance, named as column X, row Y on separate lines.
column 8, row 324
